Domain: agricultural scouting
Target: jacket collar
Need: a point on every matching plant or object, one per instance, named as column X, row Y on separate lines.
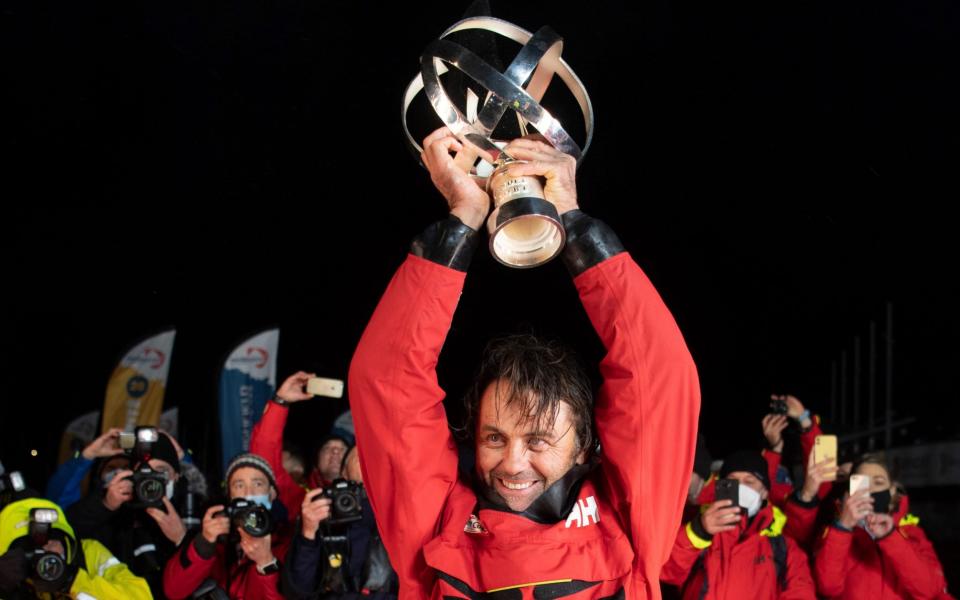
column 553, row 506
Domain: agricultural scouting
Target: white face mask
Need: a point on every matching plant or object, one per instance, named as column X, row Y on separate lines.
column 750, row 499
column 170, row 486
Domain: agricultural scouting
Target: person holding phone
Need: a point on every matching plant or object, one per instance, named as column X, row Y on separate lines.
column 737, row 548
column 875, row 547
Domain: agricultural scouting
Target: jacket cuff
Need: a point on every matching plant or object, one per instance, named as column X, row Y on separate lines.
column 795, row 498
column 697, row 535
column 589, row 242
column 205, row 550
column 450, row 243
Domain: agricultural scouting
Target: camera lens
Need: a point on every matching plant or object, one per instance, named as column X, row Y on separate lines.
column 255, row 521
column 50, row 567
column 346, row 504
column 150, row 490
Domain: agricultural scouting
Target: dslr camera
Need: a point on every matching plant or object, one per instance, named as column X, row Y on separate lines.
column 345, row 496
column 149, row 485
column 249, row 516
column 44, row 567
column 779, row 407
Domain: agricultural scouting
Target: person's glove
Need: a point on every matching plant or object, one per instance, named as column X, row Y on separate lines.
column 13, row 570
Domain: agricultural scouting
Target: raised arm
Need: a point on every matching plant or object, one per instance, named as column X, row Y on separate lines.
column 407, row 453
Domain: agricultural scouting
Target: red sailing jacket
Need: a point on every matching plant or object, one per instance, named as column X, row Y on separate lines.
column 902, row 565
column 186, row 570
column 739, row 564
column 621, row 530
column 266, row 441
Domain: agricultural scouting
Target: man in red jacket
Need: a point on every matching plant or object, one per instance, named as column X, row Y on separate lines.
column 248, row 569
column 540, row 518
column 739, row 551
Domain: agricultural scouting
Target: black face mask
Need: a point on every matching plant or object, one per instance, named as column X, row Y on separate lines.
column 881, row 501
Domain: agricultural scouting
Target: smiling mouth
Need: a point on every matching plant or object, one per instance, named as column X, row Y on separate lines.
column 516, row 485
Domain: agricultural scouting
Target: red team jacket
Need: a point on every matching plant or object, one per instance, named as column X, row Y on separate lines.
column 622, row 528
column 899, row 566
column 739, row 563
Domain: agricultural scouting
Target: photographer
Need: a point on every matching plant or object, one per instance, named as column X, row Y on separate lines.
column 240, row 546
column 338, row 561
column 133, row 514
column 42, row 557
column 738, row 549
column 876, row 547
column 789, row 415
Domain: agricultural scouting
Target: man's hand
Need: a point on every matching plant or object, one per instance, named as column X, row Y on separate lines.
column 256, row 549
column 119, row 490
column 465, row 195
column 103, row 446
column 170, row 523
column 543, row 160
column 856, row 508
column 817, row 474
column 313, row 513
column 720, row 517
column 879, row 525
column 773, row 426
column 294, row 388
column 214, row 526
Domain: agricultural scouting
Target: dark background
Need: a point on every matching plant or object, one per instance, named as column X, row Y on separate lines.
column 780, row 170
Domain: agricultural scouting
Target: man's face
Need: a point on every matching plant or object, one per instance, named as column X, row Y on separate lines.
column 164, row 467
column 351, row 466
column 329, row 459
column 247, row 481
column 751, row 481
column 514, row 459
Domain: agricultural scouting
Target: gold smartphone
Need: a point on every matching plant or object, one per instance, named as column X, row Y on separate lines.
column 321, row 386
column 825, row 447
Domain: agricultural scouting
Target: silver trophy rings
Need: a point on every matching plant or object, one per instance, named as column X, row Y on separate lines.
column 525, row 229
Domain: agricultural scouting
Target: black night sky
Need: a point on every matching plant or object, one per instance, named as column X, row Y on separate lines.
column 224, row 167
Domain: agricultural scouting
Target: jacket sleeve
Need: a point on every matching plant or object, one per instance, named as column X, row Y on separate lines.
column 266, row 441
column 90, row 518
column 301, row 571
column 107, row 578
column 801, row 520
column 187, row 569
column 408, row 455
column 262, row 587
column 832, row 561
column 687, row 547
column 799, row 582
column 778, row 491
column 646, row 410
column 64, row 485
column 908, row 551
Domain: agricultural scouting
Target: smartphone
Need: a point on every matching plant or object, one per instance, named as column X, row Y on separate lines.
column 825, row 447
column 321, row 386
column 859, row 482
column 127, row 440
column 728, row 489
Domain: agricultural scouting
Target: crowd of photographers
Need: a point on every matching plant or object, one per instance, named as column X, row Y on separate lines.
column 130, row 516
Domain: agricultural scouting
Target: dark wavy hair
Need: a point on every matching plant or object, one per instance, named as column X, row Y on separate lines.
column 537, row 375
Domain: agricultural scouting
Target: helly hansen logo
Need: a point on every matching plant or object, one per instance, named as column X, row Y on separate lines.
column 583, row 512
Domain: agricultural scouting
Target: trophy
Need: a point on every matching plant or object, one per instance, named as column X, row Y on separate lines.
column 525, row 229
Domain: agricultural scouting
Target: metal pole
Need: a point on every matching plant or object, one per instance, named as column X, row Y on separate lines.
column 833, row 393
column 888, row 376
column 857, row 374
column 843, row 388
column 872, row 386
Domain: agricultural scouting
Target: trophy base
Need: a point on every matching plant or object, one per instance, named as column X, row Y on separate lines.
column 526, row 233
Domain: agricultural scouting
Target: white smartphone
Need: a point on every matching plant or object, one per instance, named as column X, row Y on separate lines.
column 321, row 386
column 859, row 482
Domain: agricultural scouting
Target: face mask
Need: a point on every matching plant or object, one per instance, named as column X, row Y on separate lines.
column 170, row 489
column 750, row 500
column 108, row 476
column 881, row 501
column 262, row 499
